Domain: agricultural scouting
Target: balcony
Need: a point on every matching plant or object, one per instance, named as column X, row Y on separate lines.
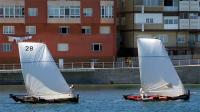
column 170, row 8
column 194, row 23
column 12, row 20
column 184, row 23
column 12, row 2
column 148, row 8
column 189, row 5
column 107, row 20
column 170, row 26
column 184, row 6
column 179, row 44
column 194, row 5
column 64, row 20
column 149, row 26
column 63, row 2
column 197, row 44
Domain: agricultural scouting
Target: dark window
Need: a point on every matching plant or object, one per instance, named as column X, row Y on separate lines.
column 83, row 31
column 67, row 12
column 168, row 2
column 184, row 15
column 22, row 11
column 64, row 30
column 97, row 47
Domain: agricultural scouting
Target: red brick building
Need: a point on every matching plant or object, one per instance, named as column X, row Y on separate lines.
column 74, row 30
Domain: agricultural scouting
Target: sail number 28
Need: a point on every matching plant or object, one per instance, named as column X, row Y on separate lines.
column 29, row 48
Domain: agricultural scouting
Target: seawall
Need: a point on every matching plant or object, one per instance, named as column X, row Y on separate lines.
column 188, row 75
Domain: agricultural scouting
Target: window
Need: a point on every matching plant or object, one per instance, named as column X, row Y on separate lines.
column 184, row 16
column 149, row 20
column 1, row 12
column 123, row 21
column 163, row 38
column 19, row 11
column 31, row 29
column 193, row 15
column 196, row 37
column 87, row 11
column 152, row 2
column 64, row 30
column 62, row 47
column 181, row 39
column 74, row 11
column 105, row 30
column 63, row 11
column 123, row 4
column 6, row 47
column 96, row 47
column 86, row 30
column 171, row 20
column 107, row 11
column 8, row 30
column 32, row 12
column 11, row 11
column 168, row 2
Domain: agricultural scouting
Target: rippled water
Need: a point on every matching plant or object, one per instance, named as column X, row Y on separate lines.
column 101, row 99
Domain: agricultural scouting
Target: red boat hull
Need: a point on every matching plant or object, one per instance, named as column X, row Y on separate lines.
column 157, row 98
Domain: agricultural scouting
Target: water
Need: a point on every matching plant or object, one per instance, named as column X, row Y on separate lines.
column 101, row 99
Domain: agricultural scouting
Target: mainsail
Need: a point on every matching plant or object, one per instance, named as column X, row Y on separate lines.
column 157, row 74
column 41, row 76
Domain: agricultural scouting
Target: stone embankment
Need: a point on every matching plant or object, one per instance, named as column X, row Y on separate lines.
column 188, row 75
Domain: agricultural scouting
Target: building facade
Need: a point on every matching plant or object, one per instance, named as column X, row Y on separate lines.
column 74, row 30
column 175, row 22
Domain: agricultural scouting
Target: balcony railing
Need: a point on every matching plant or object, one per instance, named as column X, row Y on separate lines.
column 148, row 8
column 197, row 44
column 184, row 5
column 102, row 65
column 194, row 23
column 170, row 8
column 189, row 5
column 184, row 23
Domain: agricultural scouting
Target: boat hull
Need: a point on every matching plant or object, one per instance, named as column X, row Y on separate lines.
column 157, row 98
column 30, row 99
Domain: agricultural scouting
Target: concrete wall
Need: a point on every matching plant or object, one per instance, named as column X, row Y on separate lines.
column 188, row 75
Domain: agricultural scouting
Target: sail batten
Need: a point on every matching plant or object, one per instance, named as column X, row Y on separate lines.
column 41, row 76
column 157, row 74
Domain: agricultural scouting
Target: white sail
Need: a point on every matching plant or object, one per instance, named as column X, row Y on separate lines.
column 157, row 74
column 41, row 76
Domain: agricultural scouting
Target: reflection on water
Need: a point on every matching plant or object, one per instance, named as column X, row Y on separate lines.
column 101, row 98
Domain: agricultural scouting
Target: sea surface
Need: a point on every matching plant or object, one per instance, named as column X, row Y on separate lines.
column 101, row 98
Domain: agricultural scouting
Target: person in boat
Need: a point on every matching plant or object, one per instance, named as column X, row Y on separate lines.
column 142, row 94
column 72, row 86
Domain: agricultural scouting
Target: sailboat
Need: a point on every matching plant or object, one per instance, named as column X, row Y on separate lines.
column 43, row 80
column 159, row 79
